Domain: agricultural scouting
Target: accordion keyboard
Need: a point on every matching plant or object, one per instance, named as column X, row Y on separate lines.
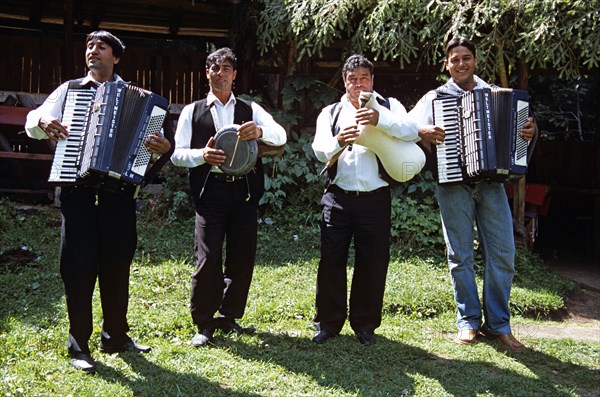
column 445, row 115
column 67, row 154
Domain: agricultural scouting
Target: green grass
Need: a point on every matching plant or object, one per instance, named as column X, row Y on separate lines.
column 414, row 353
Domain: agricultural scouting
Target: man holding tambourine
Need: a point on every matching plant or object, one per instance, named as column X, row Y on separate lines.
column 218, row 139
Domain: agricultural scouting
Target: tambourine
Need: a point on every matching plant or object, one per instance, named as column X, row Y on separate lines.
column 241, row 155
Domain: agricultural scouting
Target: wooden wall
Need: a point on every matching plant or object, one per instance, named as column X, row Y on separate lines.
column 33, row 64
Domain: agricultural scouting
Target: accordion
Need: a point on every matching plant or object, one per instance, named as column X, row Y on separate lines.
column 482, row 135
column 107, row 130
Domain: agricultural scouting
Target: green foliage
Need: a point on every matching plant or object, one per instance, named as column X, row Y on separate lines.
column 292, row 181
column 537, row 292
column 7, row 213
column 532, row 273
column 415, row 216
column 298, row 87
column 563, row 34
column 391, row 25
column 294, row 20
column 174, row 201
column 565, row 109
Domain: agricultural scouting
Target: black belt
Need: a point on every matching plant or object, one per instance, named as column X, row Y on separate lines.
column 219, row 176
column 108, row 184
column 354, row 193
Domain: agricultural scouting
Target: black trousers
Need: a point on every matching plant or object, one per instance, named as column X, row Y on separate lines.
column 224, row 216
column 366, row 220
column 98, row 241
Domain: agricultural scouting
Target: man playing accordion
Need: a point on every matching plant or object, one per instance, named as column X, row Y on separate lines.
column 483, row 202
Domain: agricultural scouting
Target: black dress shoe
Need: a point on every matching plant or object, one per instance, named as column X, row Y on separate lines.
column 202, row 337
column 121, row 345
column 322, row 336
column 83, row 362
column 366, row 338
column 228, row 325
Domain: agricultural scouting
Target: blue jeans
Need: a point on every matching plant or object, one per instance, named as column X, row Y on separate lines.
column 484, row 204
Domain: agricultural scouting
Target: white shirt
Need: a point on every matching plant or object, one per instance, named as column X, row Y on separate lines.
column 357, row 170
column 422, row 113
column 185, row 156
column 53, row 107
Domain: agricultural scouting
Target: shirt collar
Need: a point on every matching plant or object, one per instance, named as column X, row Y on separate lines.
column 457, row 90
column 345, row 99
column 89, row 79
column 211, row 99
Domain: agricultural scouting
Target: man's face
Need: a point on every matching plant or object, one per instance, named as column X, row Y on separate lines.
column 221, row 76
column 357, row 80
column 460, row 63
column 99, row 56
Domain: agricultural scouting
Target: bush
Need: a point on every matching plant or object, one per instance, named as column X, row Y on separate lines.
column 174, row 201
column 293, row 186
column 416, row 223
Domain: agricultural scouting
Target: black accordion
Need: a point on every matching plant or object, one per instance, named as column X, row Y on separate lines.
column 107, row 130
column 482, row 135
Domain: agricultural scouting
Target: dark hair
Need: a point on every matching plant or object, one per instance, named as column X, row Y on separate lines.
column 354, row 62
column 221, row 55
column 460, row 42
column 113, row 41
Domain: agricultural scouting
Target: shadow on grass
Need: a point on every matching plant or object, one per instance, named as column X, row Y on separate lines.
column 156, row 381
column 33, row 296
column 398, row 369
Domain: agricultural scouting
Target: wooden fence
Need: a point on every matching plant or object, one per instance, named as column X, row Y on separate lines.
column 33, row 64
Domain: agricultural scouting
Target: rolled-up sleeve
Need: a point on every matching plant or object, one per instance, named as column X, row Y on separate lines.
column 184, row 155
column 273, row 134
column 422, row 113
column 396, row 122
column 51, row 108
column 325, row 144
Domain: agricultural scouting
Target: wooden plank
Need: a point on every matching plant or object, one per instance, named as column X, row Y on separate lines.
column 36, row 65
column 7, row 65
column 165, row 77
column 26, row 156
column 26, row 65
column 10, row 115
column 13, row 53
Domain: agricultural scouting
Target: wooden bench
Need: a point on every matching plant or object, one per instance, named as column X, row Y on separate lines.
column 12, row 117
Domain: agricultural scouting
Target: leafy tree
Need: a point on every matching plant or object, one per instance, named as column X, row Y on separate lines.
column 559, row 34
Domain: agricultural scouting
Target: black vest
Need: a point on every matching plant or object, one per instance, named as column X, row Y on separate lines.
column 203, row 128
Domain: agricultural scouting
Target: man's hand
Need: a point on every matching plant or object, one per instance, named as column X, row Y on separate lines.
column 366, row 116
column 157, row 143
column 528, row 129
column 249, row 131
column 432, row 134
column 53, row 128
column 213, row 156
column 348, row 135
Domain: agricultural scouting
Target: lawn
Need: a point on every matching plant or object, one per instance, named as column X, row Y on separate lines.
column 414, row 353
